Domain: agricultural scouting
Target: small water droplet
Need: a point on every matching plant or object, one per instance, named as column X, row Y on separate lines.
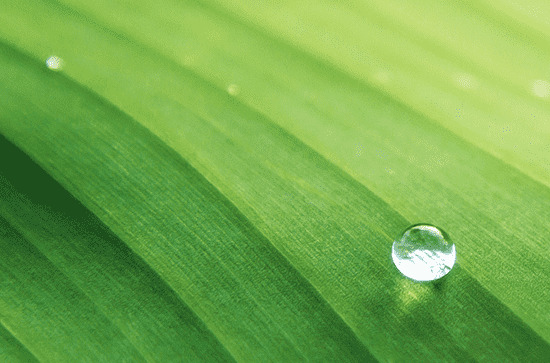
column 466, row 81
column 54, row 63
column 233, row 89
column 541, row 88
column 424, row 253
column 382, row 76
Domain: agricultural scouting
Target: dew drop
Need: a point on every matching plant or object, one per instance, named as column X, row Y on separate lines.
column 466, row 81
column 382, row 77
column 54, row 63
column 541, row 88
column 424, row 253
column 233, row 90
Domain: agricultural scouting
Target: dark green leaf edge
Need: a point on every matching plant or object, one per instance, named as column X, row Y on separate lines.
column 13, row 350
column 131, row 295
column 40, row 300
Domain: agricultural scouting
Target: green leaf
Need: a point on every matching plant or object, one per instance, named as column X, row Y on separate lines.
column 71, row 251
column 219, row 181
column 198, row 243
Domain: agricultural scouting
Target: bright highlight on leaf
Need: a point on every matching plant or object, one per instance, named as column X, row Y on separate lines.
column 233, row 89
column 54, row 63
column 541, row 88
column 223, row 180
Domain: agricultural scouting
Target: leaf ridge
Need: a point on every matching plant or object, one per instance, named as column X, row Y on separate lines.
column 111, row 106
column 179, row 66
column 73, row 284
column 7, row 330
column 228, row 14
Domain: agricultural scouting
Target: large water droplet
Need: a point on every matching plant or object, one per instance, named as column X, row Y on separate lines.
column 424, row 253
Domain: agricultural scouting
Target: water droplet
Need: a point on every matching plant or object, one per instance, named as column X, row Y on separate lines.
column 382, row 76
column 541, row 88
column 233, row 89
column 424, row 253
column 54, row 63
column 466, row 81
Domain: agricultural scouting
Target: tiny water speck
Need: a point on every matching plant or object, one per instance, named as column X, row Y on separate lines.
column 54, row 63
column 233, row 90
column 541, row 88
column 466, row 81
column 424, row 253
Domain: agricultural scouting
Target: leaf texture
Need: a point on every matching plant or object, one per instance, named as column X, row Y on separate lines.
column 219, row 181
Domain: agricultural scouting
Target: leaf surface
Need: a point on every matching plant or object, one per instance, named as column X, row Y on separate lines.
column 255, row 164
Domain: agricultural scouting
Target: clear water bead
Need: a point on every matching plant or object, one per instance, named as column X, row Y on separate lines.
column 424, row 253
column 54, row 63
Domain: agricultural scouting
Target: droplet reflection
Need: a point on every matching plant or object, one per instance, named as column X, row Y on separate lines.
column 54, row 63
column 424, row 253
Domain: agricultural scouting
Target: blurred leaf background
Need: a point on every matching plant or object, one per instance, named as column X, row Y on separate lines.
column 222, row 180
